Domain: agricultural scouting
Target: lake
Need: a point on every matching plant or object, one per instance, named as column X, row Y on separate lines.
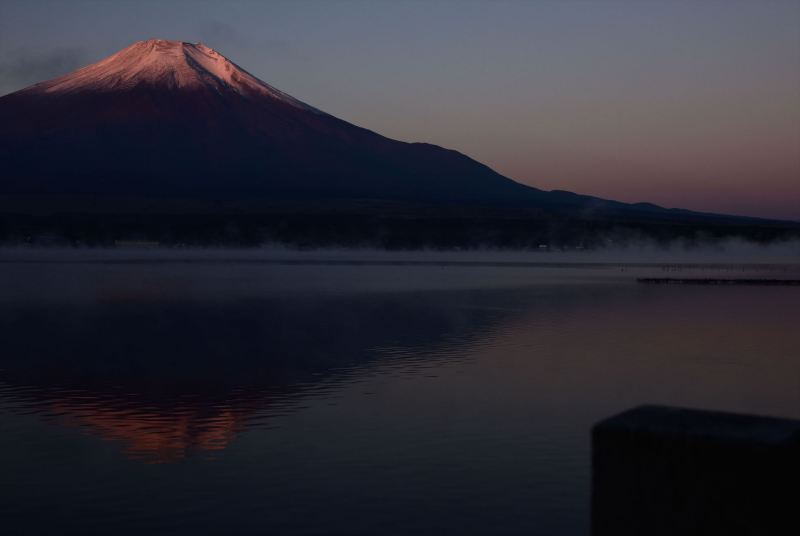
column 355, row 393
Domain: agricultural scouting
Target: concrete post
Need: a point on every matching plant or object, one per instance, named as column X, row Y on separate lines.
column 670, row 471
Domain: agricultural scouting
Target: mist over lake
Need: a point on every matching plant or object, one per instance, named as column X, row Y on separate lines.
column 359, row 392
column 399, row 268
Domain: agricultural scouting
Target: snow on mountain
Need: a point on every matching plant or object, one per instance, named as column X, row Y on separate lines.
column 171, row 119
column 165, row 63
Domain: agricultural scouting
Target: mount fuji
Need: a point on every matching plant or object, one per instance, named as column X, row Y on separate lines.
column 175, row 120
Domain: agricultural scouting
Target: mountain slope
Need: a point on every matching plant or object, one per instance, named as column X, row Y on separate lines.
column 169, row 119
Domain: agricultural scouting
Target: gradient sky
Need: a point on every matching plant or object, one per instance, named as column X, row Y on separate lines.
column 693, row 104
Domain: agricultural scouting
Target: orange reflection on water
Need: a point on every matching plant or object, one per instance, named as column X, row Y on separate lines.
column 157, row 435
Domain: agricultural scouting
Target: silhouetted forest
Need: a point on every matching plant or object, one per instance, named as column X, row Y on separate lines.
column 390, row 229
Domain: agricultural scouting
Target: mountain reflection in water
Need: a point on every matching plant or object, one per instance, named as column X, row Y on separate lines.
column 169, row 379
column 253, row 398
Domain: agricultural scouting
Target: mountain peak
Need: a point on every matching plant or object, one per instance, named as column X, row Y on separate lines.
column 166, row 65
column 172, row 119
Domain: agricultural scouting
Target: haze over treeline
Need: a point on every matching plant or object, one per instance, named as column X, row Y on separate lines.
column 434, row 229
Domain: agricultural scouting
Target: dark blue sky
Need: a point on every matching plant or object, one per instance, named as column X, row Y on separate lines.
column 683, row 103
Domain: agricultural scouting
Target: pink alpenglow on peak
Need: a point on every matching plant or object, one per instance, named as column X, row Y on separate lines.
column 175, row 120
column 165, row 63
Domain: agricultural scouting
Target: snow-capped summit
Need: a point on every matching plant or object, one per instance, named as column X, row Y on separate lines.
column 172, row 119
column 167, row 64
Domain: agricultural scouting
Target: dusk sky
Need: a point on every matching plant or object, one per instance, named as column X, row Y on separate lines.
column 685, row 104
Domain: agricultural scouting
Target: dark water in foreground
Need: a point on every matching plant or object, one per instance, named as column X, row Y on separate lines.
column 272, row 398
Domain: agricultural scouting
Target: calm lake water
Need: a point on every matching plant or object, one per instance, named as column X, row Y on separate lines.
column 216, row 394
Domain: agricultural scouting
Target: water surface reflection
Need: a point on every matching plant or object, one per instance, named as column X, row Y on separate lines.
column 352, row 399
column 168, row 379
